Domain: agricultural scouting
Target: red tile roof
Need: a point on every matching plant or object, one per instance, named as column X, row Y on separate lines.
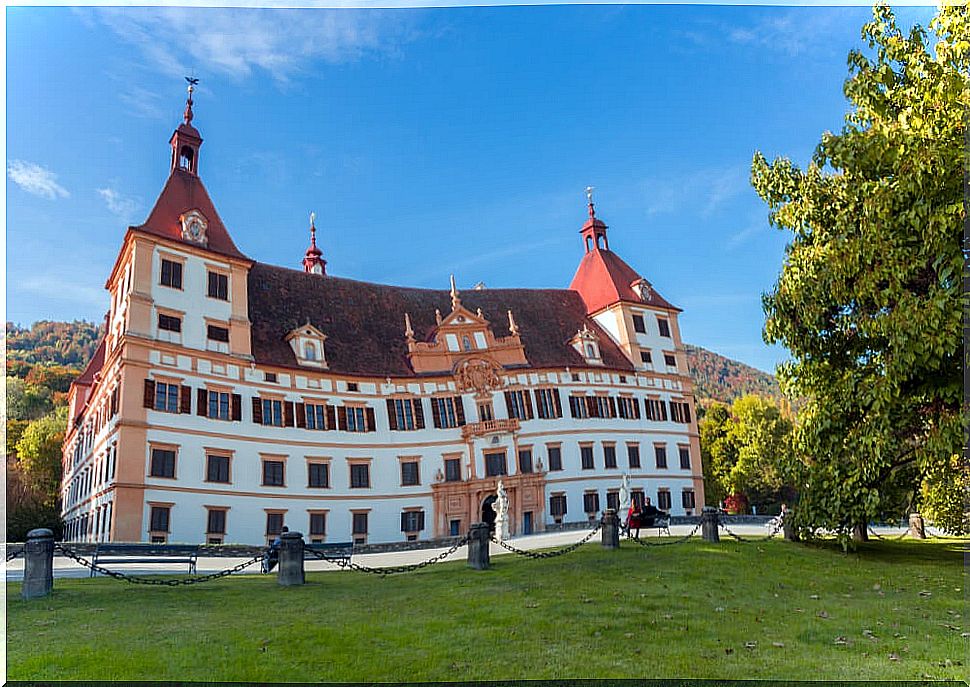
column 603, row 279
column 364, row 322
column 94, row 365
column 183, row 192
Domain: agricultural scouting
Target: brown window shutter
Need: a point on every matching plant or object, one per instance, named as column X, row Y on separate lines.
column 459, row 411
column 185, row 399
column 436, row 413
column 636, row 407
column 331, row 417
column 149, row 393
column 288, row 414
column 236, row 407
column 535, row 392
column 421, row 520
column 342, row 418
column 418, row 413
column 114, row 401
column 371, row 419
column 612, row 406
column 557, row 401
column 591, row 406
column 508, row 405
column 257, row 410
column 687, row 413
column 202, row 402
column 391, row 415
column 573, row 401
column 529, row 412
column 301, row 415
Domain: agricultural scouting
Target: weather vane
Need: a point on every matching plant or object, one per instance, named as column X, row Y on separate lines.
column 192, row 82
column 313, row 219
column 589, row 194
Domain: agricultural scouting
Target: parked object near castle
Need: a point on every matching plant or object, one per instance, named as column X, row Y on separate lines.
column 230, row 397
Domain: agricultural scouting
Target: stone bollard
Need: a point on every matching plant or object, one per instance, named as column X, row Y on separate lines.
column 917, row 528
column 38, row 564
column 478, row 543
column 611, row 529
column 709, row 524
column 291, row 571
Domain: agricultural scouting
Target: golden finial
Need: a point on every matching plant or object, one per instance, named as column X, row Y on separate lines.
column 455, row 300
column 513, row 328
column 408, row 331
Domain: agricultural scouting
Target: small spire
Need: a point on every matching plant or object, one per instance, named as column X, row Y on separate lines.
column 589, row 200
column 513, row 327
column 312, row 260
column 455, row 300
column 408, row 331
column 479, row 313
column 437, row 315
column 188, row 104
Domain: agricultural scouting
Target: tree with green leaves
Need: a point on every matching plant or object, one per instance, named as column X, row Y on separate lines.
column 39, row 454
column 869, row 297
column 27, row 401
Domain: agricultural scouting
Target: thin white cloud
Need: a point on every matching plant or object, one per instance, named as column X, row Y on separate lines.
column 742, row 236
column 703, row 189
column 35, row 179
column 119, row 205
column 142, row 102
column 68, row 291
column 239, row 42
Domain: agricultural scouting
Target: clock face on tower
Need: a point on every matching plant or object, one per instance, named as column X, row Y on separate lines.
column 193, row 227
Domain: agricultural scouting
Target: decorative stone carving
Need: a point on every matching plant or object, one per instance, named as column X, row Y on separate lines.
column 501, row 508
column 478, row 375
column 624, row 495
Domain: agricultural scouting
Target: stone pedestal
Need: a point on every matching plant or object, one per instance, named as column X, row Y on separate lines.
column 38, row 564
column 502, row 527
column 917, row 528
column 478, row 542
column 709, row 524
column 291, row 571
column 610, row 529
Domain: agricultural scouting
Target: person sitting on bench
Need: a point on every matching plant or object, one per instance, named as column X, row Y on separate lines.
column 272, row 555
column 648, row 513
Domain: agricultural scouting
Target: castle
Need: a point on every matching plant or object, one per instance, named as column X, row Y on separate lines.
column 230, row 397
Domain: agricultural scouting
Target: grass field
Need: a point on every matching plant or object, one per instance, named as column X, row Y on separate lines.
column 893, row 610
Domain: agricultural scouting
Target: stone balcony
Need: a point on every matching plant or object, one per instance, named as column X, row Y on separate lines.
column 480, row 429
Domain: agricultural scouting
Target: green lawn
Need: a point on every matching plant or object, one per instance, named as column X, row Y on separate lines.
column 730, row 610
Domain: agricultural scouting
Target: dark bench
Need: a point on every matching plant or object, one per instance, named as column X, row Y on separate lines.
column 124, row 554
column 337, row 551
column 661, row 523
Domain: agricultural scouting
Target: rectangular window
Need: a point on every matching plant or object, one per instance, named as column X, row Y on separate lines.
column 167, row 397
column 656, row 409
column 495, row 464
column 356, row 419
column 216, row 523
column 171, row 273
column 609, row 456
column 216, row 333
column 272, row 412
column 603, row 406
column 360, row 523
column 169, row 324
column 613, row 500
column 163, row 463
column 274, row 523
column 557, row 505
column 318, row 475
column 410, row 475
column 645, row 356
column 218, row 405
column 273, row 473
column 270, row 377
column 519, row 404
column 217, row 469
column 359, row 475
column 664, row 326
column 633, row 455
column 578, row 407
column 525, row 460
column 447, row 412
column 663, row 499
column 680, row 412
column 316, row 416
column 687, row 498
column 548, row 404
column 405, row 413
column 639, row 326
column 485, row 412
column 638, row 498
column 454, row 527
column 684, row 458
column 318, row 524
column 629, row 408
column 160, row 518
column 452, row 469
column 555, row 458
column 670, row 360
column 660, row 452
column 586, row 457
column 412, row 521
column 218, row 286
column 591, row 503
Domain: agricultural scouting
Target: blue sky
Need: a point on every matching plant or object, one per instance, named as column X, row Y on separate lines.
column 428, row 142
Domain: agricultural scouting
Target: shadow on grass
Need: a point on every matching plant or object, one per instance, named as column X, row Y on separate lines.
column 903, row 551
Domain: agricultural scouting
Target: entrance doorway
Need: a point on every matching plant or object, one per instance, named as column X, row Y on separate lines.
column 527, row 522
column 488, row 515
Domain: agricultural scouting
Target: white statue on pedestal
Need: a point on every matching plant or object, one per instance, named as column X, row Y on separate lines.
column 501, row 508
column 624, row 497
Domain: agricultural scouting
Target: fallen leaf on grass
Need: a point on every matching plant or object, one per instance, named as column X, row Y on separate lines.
column 628, row 635
column 925, row 593
column 729, row 651
column 893, row 657
column 822, row 614
column 841, row 641
column 532, row 605
column 667, row 616
column 719, row 609
column 813, row 596
column 780, row 645
column 751, row 645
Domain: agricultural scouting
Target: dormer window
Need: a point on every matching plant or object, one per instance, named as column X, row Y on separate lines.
column 466, row 343
column 194, row 226
column 307, row 343
column 641, row 287
column 586, row 343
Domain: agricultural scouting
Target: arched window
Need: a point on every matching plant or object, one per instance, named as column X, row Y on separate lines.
column 185, row 158
column 590, row 351
column 309, row 351
column 466, row 343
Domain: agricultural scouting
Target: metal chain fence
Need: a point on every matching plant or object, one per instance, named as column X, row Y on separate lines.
column 669, row 542
column 885, row 538
column 536, row 555
column 347, row 564
column 134, row 579
column 14, row 553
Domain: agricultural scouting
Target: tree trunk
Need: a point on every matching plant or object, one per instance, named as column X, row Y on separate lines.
column 860, row 533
